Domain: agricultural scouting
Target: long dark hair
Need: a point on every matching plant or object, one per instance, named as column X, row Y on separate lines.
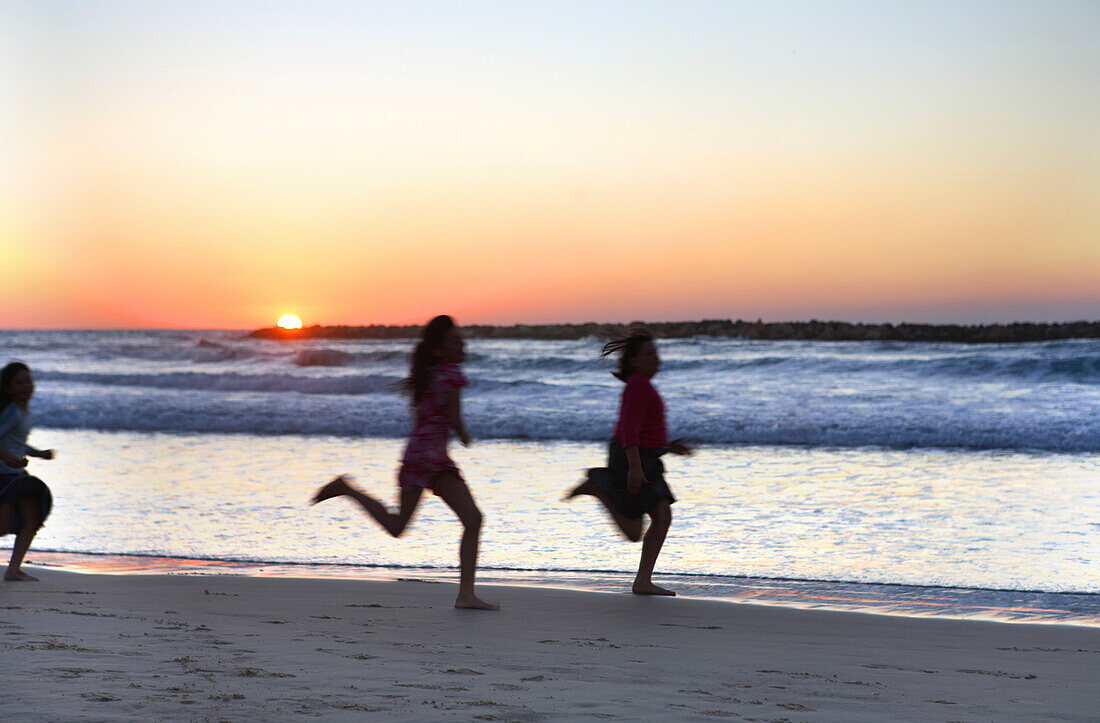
column 626, row 345
column 424, row 357
column 6, row 375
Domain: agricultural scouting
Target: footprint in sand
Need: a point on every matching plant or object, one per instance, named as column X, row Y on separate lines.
column 99, row 697
column 998, row 674
column 507, row 686
column 885, row 666
column 432, row 686
column 69, row 672
column 260, row 673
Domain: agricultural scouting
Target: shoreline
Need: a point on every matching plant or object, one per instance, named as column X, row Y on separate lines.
column 236, row 647
column 885, row 599
column 1016, row 332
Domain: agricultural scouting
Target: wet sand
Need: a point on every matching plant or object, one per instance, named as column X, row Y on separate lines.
column 206, row 647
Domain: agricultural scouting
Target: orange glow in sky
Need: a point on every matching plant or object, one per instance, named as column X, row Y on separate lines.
column 204, row 166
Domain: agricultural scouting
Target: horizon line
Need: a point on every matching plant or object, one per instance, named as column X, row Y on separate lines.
column 759, row 320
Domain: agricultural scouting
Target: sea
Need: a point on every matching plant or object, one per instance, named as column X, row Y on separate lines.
column 895, row 478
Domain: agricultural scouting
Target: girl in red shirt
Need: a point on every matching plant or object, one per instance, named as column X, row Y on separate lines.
column 633, row 483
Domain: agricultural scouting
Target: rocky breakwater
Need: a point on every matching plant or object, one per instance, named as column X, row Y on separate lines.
column 806, row 330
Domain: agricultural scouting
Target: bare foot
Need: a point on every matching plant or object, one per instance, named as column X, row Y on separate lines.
column 648, row 588
column 473, row 602
column 19, row 576
column 584, row 488
column 335, row 488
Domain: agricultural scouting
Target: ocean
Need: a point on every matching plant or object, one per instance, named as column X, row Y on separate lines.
column 903, row 478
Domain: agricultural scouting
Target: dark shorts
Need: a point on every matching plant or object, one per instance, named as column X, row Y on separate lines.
column 14, row 486
column 612, row 480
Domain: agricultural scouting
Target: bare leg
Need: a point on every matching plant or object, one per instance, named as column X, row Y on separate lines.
column 393, row 522
column 28, row 508
column 631, row 528
column 456, row 494
column 660, row 520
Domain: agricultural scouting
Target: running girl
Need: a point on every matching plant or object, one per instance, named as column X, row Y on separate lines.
column 25, row 501
column 434, row 385
column 633, row 483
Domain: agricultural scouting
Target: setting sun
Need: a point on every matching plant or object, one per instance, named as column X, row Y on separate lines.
column 290, row 321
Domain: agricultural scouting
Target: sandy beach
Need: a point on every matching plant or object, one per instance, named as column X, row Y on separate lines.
column 199, row 647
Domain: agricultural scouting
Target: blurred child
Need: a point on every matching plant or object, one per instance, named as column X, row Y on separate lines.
column 434, row 385
column 633, row 483
column 25, row 501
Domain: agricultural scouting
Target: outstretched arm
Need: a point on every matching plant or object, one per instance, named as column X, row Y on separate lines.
column 681, row 447
column 40, row 453
column 454, row 410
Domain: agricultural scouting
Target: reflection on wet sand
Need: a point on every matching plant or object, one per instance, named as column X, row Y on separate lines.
column 909, row 601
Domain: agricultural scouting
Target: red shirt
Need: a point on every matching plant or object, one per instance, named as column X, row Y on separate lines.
column 641, row 415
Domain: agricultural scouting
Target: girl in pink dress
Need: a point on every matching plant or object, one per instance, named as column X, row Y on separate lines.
column 633, row 482
column 434, row 384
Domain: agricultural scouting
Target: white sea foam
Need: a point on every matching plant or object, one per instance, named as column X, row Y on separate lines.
column 717, row 391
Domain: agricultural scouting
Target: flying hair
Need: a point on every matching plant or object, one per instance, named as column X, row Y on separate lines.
column 626, row 345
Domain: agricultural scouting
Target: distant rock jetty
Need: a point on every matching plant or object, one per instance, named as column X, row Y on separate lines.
column 804, row 330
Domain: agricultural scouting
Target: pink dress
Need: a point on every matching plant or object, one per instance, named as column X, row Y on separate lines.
column 426, row 453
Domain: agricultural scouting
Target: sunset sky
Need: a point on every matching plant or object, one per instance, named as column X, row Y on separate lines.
column 218, row 165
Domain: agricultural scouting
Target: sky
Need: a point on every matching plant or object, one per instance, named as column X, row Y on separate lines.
column 217, row 165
